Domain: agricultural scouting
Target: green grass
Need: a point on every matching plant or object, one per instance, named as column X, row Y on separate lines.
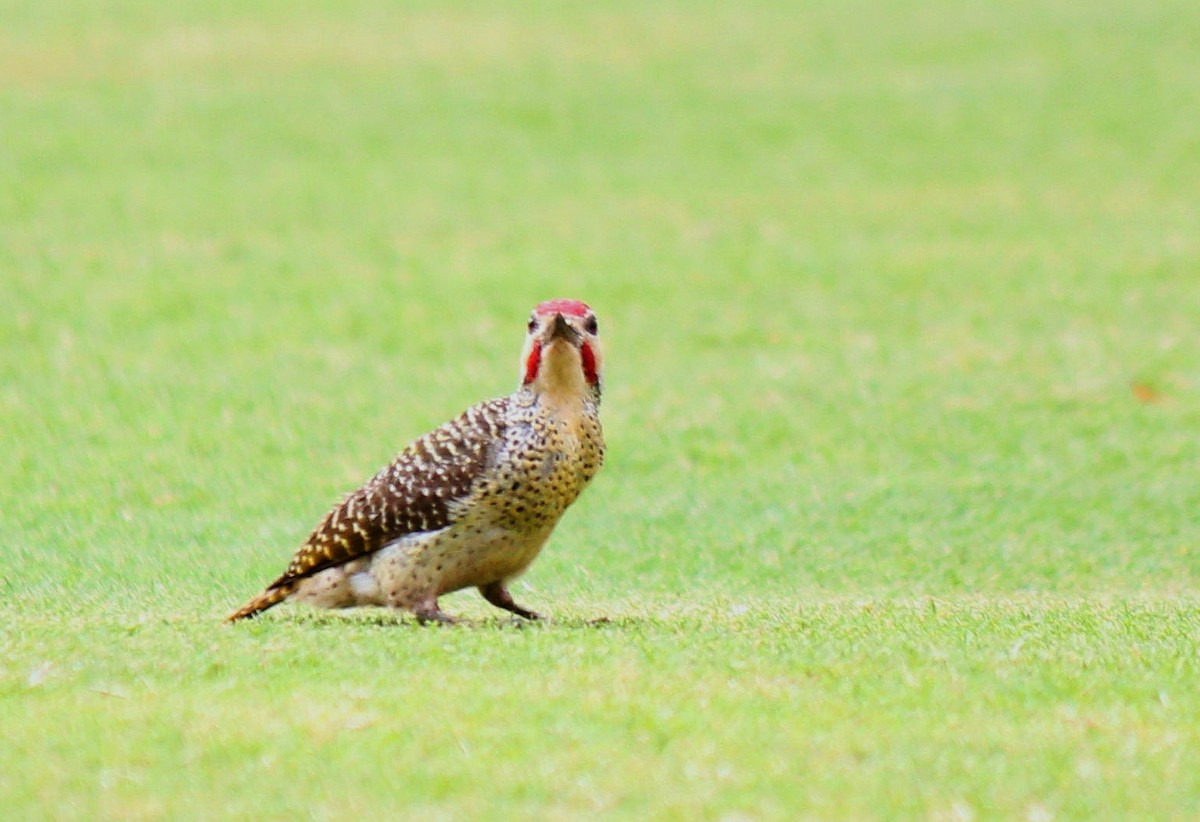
column 903, row 401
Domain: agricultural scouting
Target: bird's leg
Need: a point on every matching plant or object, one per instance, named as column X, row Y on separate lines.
column 498, row 595
column 428, row 611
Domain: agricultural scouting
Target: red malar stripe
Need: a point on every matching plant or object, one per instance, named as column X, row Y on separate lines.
column 589, row 364
column 533, row 362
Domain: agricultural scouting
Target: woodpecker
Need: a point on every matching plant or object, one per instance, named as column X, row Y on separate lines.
column 471, row 503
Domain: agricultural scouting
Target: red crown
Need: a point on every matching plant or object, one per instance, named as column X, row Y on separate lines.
column 574, row 308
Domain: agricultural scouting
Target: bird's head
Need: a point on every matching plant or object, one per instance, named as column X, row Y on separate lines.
column 562, row 349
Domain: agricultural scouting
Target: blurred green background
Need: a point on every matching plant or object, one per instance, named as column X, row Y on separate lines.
column 900, row 302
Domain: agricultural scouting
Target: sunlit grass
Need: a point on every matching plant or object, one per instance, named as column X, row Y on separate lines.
column 900, row 308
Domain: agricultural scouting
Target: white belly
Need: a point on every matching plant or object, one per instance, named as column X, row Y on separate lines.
column 409, row 570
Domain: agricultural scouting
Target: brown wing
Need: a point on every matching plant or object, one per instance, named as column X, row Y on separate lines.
column 414, row 493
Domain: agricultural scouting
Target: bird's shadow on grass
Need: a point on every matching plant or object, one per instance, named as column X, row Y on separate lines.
column 400, row 621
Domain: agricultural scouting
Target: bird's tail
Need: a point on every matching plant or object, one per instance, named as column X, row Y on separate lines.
column 267, row 599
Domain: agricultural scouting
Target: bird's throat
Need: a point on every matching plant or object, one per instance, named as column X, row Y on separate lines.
column 559, row 377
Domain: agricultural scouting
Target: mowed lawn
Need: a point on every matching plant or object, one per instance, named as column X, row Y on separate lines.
column 901, row 517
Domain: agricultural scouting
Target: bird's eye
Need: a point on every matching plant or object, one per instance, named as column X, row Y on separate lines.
column 592, row 326
column 532, row 324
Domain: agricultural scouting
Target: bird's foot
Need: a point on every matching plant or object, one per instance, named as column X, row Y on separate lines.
column 430, row 612
column 498, row 595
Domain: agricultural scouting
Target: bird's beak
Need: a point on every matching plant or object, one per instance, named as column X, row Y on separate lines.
column 560, row 329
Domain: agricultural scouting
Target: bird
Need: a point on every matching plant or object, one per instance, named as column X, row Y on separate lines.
column 471, row 503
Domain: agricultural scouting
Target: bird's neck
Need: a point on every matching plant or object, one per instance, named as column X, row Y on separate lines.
column 560, row 384
column 561, row 401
